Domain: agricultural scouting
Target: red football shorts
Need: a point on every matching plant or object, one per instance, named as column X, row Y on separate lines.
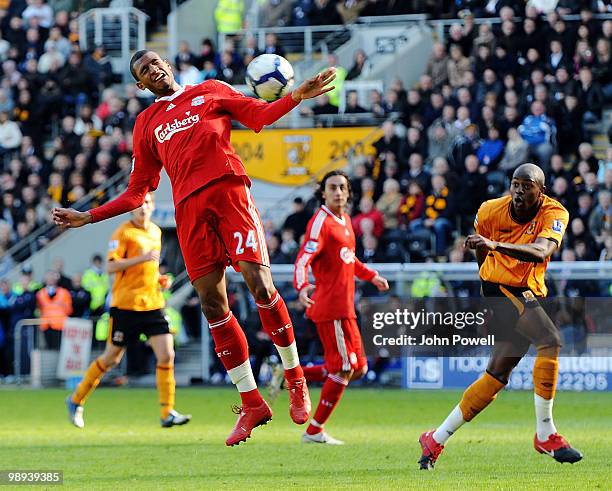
column 218, row 225
column 342, row 345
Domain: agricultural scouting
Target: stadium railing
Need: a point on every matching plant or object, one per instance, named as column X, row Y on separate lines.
column 121, row 30
column 405, row 272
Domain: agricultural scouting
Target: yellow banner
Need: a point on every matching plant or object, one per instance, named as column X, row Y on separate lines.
column 293, row 157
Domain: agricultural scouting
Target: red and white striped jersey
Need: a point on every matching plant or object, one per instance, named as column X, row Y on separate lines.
column 329, row 248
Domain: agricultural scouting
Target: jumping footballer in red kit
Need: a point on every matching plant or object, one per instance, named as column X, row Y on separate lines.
column 187, row 132
column 329, row 249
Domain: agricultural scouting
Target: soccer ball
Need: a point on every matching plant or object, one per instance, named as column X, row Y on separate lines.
column 270, row 77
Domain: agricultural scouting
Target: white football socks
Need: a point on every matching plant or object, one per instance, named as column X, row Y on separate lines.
column 545, row 425
column 242, row 377
column 452, row 423
column 288, row 355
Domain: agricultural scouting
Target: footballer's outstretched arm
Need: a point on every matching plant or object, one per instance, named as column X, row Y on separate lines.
column 255, row 113
column 536, row 252
column 144, row 178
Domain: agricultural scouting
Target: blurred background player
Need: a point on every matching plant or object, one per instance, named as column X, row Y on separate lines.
column 532, row 226
column 137, row 307
column 216, row 219
column 329, row 248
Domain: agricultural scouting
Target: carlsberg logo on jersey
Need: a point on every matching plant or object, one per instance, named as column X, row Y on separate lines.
column 347, row 255
column 163, row 132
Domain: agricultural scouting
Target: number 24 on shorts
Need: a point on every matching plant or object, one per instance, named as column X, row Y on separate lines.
column 250, row 241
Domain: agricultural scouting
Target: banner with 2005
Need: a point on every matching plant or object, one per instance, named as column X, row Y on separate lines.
column 293, row 157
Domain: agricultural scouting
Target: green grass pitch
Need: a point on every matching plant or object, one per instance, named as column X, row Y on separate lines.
column 123, row 446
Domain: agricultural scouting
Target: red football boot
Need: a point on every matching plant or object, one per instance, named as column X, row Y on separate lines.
column 558, row 448
column 299, row 401
column 431, row 450
column 248, row 418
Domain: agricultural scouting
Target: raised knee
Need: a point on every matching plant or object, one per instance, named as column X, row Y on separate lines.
column 262, row 288
column 166, row 358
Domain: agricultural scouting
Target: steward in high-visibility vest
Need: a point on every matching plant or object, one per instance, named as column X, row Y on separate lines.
column 228, row 16
column 55, row 304
column 95, row 281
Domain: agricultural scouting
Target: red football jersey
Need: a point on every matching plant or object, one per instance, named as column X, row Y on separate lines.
column 329, row 248
column 188, row 133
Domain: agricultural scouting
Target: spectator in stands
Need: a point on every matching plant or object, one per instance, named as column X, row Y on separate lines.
column 51, row 60
column 538, row 130
column 190, row 75
column 557, row 169
column 488, row 84
column 322, row 106
column 606, row 252
column 465, row 144
column 81, row 298
column 389, row 142
column 350, row 10
column 324, row 12
column 368, row 213
column 570, row 132
column 276, row 255
column 600, row 221
column 272, row 46
column 10, row 134
column 463, row 35
column 458, row 66
column 584, row 207
column 209, row 71
column 75, row 82
column 602, row 71
column 99, row 68
column 275, row 13
column 298, row 220
column 389, row 202
column 439, row 211
column 412, row 205
column 207, row 53
column 440, row 142
column 587, row 154
column 578, row 232
column 62, row 280
column 352, row 103
column 472, row 192
column 368, row 250
column 289, row 245
column 416, row 172
column 55, row 306
column 516, row 152
column 561, row 192
column 437, row 67
column 440, row 167
column 412, row 144
column 38, row 9
column 590, row 96
column 491, row 151
column 360, row 65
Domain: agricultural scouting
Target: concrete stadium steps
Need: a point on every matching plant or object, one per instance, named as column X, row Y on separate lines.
column 158, row 42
